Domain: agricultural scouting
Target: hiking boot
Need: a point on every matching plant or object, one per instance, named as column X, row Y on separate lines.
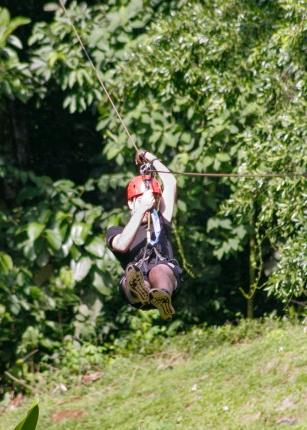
column 136, row 284
column 162, row 300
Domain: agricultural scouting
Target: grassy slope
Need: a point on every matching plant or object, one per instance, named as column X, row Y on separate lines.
column 258, row 383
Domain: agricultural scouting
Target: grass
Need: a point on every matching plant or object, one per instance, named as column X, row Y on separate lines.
column 249, row 377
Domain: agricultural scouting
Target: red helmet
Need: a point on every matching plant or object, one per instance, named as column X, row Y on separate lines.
column 136, row 187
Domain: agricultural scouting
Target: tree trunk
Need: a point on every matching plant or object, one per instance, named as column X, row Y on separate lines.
column 14, row 144
column 19, row 134
column 252, row 276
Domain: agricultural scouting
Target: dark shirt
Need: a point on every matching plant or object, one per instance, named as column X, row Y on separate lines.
column 136, row 250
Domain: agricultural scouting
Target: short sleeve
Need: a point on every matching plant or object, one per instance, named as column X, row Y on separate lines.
column 111, row 233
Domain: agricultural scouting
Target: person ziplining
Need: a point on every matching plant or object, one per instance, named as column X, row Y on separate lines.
column 144, row 248
column 152, row 275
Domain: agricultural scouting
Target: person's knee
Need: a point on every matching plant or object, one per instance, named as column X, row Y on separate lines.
column 158, row 272
column 161, row 276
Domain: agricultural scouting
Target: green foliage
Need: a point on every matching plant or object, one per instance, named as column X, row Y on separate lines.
column 109, row 32
column 15, row 76
column 142, row 334
column 209, row 98
column 30, row 421
column 56, row 268
column 207, row 86
column 77, row 359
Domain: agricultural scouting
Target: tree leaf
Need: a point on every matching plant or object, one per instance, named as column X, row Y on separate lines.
column 54, row 238
column 81, row 268
column 96, row 247
column 222, row 156
column 34, row 230
column 6, row 263
column 51, row 7
column 13, row 40
column 79, row 232
column 30, row 421
column 100, row 285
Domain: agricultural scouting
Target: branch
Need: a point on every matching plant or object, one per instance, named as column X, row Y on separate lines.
column 18, row 381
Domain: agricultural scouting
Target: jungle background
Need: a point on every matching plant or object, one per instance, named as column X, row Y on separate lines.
column 207, row 86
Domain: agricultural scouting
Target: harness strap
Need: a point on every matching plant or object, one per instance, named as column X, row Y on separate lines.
column 151, row 245
column 156, row 225
column 158, row 255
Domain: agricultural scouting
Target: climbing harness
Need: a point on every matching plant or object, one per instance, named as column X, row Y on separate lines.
column 146, row 169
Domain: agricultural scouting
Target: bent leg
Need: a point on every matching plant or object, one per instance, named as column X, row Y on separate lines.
column 134, row 286
column 131, row 297
column 163, row 283
column 161, row 277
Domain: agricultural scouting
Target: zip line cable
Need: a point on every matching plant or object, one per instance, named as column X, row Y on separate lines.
column 132, row 139
column 98, row 76
column 235, row 175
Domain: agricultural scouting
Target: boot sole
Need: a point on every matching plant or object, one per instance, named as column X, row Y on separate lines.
column 136, row 284
column 161, row 300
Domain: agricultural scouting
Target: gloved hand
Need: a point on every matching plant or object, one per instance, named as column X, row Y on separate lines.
column 140, row 157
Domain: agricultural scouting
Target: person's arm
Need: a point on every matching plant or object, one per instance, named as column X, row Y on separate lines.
column 168, row 199
column 122, row 241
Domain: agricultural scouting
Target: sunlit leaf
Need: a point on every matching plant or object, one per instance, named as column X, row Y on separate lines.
column 81, row 268
column 96, row 247
column 100, row 284
column 34, row 230
column 54, row 238
column 6, row 263
column 79, row 232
